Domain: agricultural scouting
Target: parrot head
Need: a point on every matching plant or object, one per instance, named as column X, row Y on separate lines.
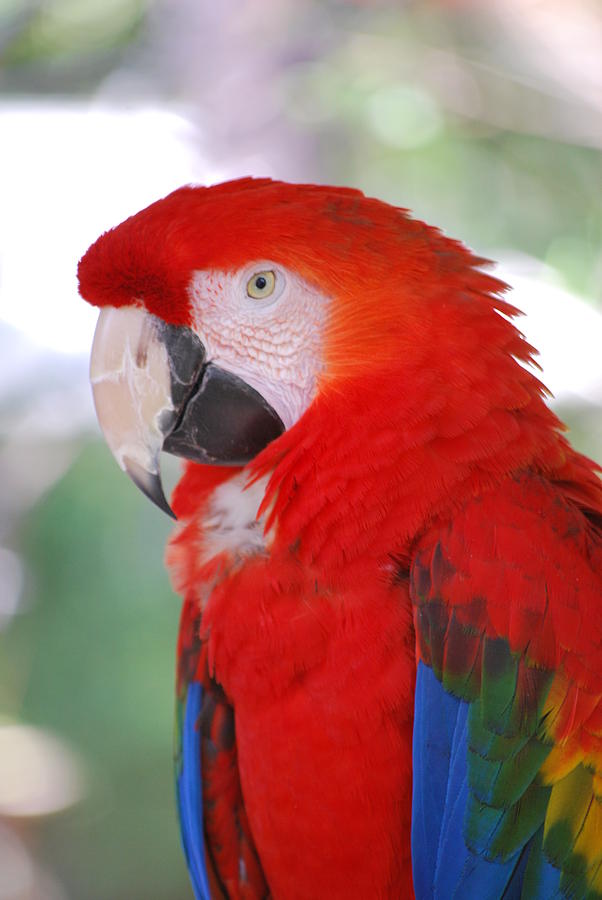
column 227, row 311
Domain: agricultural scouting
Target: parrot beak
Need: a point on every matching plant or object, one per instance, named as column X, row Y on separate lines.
column 155, row 390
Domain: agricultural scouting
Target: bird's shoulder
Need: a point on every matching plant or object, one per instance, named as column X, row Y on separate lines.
column 507, row 595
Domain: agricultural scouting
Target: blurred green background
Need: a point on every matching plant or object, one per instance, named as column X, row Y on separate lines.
column 483, row 118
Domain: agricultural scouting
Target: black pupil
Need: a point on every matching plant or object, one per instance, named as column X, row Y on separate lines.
column 261, row 282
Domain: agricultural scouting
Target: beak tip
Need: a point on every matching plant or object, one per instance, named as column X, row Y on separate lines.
column 150, row 485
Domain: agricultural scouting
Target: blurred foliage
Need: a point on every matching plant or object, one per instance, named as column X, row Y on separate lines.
column 441, row 107
column 93, row 659
column 401, row 108
column 51, row 45
column 584, row 424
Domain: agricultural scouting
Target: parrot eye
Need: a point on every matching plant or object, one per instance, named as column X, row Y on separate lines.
column 261, row 285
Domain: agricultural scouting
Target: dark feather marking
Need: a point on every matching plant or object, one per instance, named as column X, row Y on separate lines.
column 238, row 873
column 420, row 580
column 441, row 569
column 218, row 732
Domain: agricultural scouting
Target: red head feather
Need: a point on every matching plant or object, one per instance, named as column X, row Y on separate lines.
column 413, row 327
column 390, row 275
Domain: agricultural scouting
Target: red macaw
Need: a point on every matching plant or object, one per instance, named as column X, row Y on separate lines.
column 390, row 658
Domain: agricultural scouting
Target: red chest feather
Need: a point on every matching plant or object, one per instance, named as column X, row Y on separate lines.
column 323, row 706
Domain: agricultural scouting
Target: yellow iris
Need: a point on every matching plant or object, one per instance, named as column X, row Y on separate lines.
column 261, row 285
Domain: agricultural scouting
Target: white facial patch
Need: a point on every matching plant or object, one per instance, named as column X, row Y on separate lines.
column 230, row 524
column 273, row 343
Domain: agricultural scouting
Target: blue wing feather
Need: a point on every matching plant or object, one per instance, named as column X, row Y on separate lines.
column 190, row 792
column 444, row 866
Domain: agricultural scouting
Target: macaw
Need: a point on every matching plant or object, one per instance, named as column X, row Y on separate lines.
column 390, row 657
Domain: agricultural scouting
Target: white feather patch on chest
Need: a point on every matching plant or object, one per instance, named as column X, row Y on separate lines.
column 231, row 524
